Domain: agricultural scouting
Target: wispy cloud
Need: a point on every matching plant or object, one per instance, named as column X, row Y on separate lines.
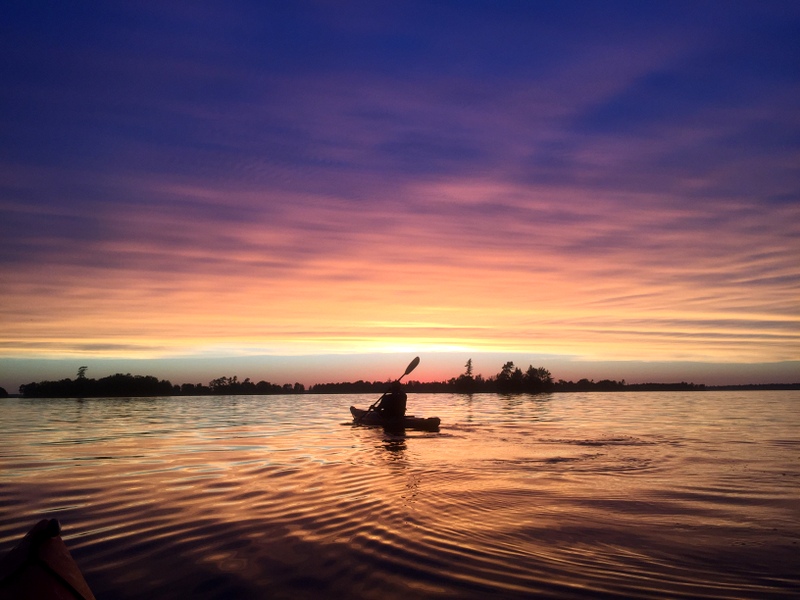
column 341, row 180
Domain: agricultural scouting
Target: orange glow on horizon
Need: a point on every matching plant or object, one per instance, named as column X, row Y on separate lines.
column 426, row 282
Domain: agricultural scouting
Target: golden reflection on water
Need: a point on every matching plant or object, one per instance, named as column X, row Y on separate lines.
column 631, row 495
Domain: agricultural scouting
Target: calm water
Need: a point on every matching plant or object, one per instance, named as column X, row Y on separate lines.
column 638, row 495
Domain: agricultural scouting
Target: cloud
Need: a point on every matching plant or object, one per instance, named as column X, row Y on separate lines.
column 521, row 178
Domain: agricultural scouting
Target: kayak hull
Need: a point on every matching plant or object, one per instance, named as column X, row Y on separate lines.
column 363, row 417
column 41, row 568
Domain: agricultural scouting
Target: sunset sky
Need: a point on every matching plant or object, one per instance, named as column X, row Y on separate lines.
column 320, row 191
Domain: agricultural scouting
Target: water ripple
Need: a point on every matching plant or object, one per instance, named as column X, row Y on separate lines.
column 265, row 496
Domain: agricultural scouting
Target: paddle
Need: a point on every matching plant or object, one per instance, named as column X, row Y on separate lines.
column 411, row 366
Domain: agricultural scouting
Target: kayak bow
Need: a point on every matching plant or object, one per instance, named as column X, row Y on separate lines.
column 41, row 568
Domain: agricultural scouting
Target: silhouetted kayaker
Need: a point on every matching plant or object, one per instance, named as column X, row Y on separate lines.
column 392, row 404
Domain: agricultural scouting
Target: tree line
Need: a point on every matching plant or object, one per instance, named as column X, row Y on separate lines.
column 535, row 380
column 125, row 385
column 509, row 380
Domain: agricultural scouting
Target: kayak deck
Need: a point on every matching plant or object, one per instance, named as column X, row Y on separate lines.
column 41, row 568
column 363, row 417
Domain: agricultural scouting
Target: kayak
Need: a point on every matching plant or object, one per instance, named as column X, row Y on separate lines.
column 363, row 417
column 40, row 567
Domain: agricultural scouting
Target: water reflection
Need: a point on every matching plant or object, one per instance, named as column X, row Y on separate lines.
column 396, row 445
column 566, row 495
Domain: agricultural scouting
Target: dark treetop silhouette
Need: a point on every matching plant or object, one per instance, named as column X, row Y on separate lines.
column 510, row 380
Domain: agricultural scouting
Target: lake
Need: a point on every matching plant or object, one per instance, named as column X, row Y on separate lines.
column 572, row 495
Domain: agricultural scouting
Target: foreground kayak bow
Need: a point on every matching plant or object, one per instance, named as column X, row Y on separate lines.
column 41, row 568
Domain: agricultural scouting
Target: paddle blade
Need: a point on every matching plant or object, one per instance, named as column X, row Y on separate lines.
column 411, row 366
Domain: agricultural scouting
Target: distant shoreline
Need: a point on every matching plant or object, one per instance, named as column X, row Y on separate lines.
column 119, row 385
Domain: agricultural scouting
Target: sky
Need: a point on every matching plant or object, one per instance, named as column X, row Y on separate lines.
column 319, row 191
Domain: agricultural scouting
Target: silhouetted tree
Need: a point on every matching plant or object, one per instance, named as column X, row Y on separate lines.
column 510, row 379
column 465, row 382
column 538, row 380
column 517, row 380
column 265, row 387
